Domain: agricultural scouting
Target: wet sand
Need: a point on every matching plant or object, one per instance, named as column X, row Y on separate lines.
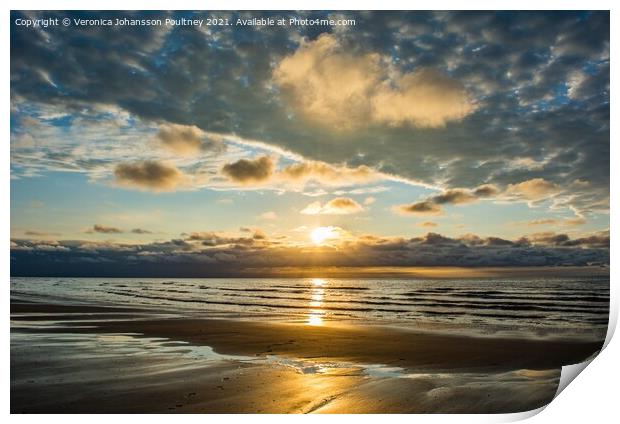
column 95, row 359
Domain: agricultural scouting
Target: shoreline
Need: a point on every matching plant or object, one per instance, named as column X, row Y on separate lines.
column 389, row 345
column 96, row 359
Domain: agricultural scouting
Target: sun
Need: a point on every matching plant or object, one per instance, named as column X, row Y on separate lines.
column 320, row 234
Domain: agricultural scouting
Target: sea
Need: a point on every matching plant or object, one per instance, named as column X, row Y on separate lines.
column 547, row 307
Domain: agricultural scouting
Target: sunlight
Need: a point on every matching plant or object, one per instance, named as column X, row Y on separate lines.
column 315, row 319
column 318, row 282
column 317, row 298
column 316, row 301
column 320, row 234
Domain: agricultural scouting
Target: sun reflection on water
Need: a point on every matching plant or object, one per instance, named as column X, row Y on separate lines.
column 318, row 282
column 315, row 317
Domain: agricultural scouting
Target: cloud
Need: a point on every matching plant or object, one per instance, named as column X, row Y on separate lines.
column 575, row 81
column 455, row 196
column 542, row 102
column 583, row 86
column 263, row 171
column 140, row 231
column 428, row 224
column 326, row 174
column 486, row 190
column 534, row 189
column 458, row 196
column 601, row 240
column 314, row 208
column 97, row 228
column 250, row 171
column 259, row 234
column 44, row 247
column 548, row 238
column 597, row 240
column 369, row 200
column 35, row 233
column 424, row 207
column 211, row 239
column 185, row 139
column 255, row 253
column 531, row 190
column 149, row 175
column 575, row 221
column 497, row 241
column 425, row 99
column 337, row 206
column 547, row 221
column 329, row 84
column 554, row 221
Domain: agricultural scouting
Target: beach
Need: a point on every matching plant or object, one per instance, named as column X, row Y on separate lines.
column 68, row 358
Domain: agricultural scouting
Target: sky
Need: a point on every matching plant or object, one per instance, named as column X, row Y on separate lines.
column 409, row 139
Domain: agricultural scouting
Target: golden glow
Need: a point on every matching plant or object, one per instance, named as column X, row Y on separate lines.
column 320, row 234
column 317, row 298
column 315, row 317
column 432, row 272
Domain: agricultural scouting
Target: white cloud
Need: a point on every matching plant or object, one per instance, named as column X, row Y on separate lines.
column 534, row 189
column 332, row 86
column 337, row 206
column 187, row 140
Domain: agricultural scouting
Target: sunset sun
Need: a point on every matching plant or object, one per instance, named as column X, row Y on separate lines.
column 320, row 234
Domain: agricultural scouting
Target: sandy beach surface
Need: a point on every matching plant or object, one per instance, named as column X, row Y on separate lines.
column 91, row 359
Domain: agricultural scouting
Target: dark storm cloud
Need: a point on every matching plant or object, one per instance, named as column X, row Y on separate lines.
column 529, row 86
column 214, row 254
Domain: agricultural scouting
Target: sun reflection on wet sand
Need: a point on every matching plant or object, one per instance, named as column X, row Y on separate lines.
column 315, row 319
column 316, row 302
